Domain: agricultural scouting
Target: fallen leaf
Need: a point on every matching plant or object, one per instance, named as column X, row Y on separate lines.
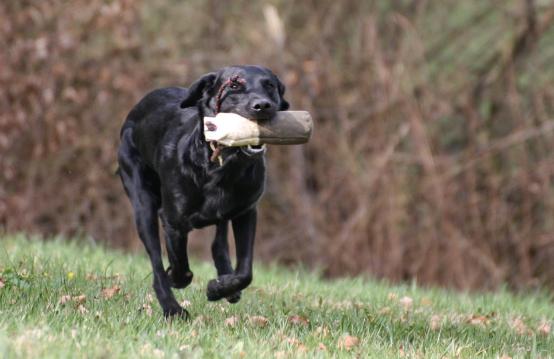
column 544, row 328
column 406, row 302
column 348, row 342
column 232, row 321
column 259, row 320
column 519, row 326
column 298, row 320
column 293, row 341
column 64, row 299
column 435, row 322
column 147, row 309
column 80, row 299
column 280, row 354
column 185, row 303
column 302, row 348
column 384, row 310
column 478, row 320
column 321, row 346
column 108, row 293
column 426, row 302
column 505, row 357
column 2, row 284
column 81, row 309
column 392, row 296
column 401, row 352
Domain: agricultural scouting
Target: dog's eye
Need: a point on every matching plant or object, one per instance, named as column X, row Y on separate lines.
column 269, row 86
column 234, row 86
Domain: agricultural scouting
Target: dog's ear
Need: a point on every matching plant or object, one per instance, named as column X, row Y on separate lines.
column 284, row 103
column 198, row 89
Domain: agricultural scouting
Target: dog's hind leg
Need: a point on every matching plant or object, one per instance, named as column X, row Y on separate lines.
column 142, row 187
column 220, row 255
column 244, row 229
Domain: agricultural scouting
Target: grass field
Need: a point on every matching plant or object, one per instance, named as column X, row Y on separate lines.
column 71, row 299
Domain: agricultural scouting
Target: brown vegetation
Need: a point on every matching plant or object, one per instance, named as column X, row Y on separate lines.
column 431, row 157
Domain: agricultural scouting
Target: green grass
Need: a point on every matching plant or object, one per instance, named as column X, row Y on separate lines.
column 437, row 323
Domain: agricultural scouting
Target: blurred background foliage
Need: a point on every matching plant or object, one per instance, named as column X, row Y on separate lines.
column 432, row 153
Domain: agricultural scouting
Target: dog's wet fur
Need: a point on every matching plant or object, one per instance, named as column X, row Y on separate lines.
column 165, row 167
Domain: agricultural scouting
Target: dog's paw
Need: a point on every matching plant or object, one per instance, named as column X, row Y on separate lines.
column 233, row 298
column 179, row 280
column 176, row 311
column 225, row 285
column 214, row 290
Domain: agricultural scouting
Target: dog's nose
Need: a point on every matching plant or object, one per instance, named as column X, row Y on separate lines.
column 261, row 105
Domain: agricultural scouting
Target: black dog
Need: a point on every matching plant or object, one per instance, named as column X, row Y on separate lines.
column 169, row 171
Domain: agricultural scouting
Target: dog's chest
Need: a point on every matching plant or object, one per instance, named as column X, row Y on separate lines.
column 227, row 197
column 222, row 195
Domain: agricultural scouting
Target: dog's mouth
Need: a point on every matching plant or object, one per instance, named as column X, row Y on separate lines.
column 253, row 150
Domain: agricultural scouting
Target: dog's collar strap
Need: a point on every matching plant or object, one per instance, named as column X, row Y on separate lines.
column 216, row 148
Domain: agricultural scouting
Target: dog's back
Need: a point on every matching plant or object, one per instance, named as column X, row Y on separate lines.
column 152, row 117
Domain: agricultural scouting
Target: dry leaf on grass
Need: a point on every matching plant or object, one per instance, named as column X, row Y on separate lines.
column 504, row 357
column 81, row 309
column 2, row 284
column 321, row 347
column 426, row 302
column 478, row 320
column 519, row 326
column 64, row 299
column 259, row 320
column 544, row 328
column 185, row 303
column 108, row 293
column 147, row 309
column 80, row 299
column 298, row 320
column 384, row 310
column 401, row 352
column 293, row 341
column 348, row 342
column 232, row 321
column 435, row 322
column 406, row 302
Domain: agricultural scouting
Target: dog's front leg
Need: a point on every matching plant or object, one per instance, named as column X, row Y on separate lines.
column 244, row 229
column 220, row 255
column 176, row 243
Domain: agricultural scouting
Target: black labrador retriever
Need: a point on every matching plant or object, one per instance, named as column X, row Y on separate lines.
column 169, row 171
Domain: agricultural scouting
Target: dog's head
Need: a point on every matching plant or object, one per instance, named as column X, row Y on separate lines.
column 250, row 91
